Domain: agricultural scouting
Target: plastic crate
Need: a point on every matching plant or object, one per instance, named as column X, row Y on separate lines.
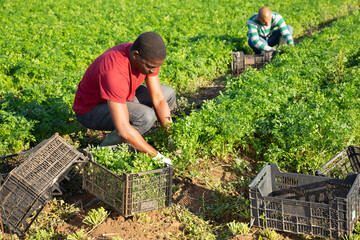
column 129, row 193
column 9, row 162
column 242, row 61
column 31, row 183
column 20, row 205
column 49, row 163
column 348, row 160
column 304, row 204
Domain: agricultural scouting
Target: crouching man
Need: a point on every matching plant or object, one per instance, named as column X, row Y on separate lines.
column 267, row 29
column 111, row 97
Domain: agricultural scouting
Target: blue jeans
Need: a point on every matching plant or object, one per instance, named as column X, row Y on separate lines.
column 272, row 40
column 141, row 113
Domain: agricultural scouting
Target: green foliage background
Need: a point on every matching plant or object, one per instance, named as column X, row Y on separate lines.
column 46, row 46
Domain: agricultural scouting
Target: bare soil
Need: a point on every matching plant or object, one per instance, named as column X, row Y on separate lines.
column 158, row 224
column 163, row 223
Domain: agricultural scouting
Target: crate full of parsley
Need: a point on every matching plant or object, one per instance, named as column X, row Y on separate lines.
column 129, row 182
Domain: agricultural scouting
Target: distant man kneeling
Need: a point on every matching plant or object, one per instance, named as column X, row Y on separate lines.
column 110, row 96
column 262, row 36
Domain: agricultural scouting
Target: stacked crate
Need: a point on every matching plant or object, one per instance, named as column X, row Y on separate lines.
column 26, row 189
column 305, row 204
column 346, row 161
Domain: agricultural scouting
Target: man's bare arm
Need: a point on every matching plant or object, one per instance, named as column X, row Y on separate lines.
column 160, row 104
column 120, row 116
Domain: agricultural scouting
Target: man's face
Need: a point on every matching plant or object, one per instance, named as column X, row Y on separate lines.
column 147, row 66
column 265, row 20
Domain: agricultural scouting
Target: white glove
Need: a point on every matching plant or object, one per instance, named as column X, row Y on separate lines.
column 162, row 159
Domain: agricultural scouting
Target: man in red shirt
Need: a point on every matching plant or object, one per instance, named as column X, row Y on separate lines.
column 110, row 96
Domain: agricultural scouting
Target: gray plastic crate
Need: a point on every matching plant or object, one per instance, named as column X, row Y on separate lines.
column 28, row 187
column 241, row 61
column 48, row 164
column 129, row 193
column 9, row 162
column 348, row 160
column 304, row 204
column 20, row 205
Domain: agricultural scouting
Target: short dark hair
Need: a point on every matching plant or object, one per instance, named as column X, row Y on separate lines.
column 150, row 45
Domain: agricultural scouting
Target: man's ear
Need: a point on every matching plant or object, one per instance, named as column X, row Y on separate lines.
column 135, row 53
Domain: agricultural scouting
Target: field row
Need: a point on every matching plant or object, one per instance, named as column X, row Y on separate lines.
column 46, row 47
column 298, row 111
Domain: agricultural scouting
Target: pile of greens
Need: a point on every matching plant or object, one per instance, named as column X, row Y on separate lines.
column 119, row 158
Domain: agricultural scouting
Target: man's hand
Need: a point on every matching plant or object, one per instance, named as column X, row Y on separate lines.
column 162, row 158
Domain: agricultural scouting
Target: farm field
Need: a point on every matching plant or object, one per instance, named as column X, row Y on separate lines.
column 46, row 47
column 298, row 111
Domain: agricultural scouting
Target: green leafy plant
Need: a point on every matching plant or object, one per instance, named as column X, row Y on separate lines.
column 58, row 211
column 239, row 228
column 357, row 227
column 43, row 234
column 351, row 237
column 241, row 165
column 142, row 218
column 63, row 209
column 96, row 217
column 79, row 235
column 121, row 159
column 269, row 234
column 195, row 227
column 15, row 132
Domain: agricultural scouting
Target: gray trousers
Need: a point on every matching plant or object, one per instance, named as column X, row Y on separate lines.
column 141, row 113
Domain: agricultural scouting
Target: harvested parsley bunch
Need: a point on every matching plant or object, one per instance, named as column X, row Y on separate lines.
column 121, row 159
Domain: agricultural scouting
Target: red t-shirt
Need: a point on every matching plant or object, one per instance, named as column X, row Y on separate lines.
column 109, row 77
